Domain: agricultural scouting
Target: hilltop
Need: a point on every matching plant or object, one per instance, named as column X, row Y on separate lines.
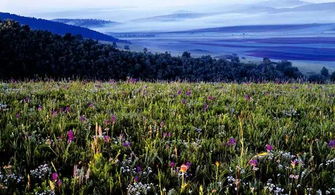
column 58, row 28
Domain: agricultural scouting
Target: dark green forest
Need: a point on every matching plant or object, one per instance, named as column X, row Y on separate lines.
column 31, row 54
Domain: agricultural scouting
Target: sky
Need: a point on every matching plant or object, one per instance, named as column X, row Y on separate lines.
column 35, row 6
column 129, row 12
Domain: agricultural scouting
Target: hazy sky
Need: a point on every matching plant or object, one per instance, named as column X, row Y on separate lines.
column 25, row 6
column 121, row 10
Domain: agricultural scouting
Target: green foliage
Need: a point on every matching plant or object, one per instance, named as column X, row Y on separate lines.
column 27, row 54
column 167, row 138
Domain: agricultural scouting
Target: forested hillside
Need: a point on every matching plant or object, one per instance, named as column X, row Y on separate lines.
column 58, row 27
column 26, row 53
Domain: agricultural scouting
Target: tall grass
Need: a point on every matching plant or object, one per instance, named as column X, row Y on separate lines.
column 166, row 138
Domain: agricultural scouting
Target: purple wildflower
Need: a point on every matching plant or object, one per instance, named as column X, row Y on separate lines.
column 247, row 97
column 332, row 143
column 70, row 136
column 54, row 176
column 132, row 80
column 138, row 169
column 83, row 118
column 183, row 101
column 54, row 113
column 167, row 134
column 253, row 163
column 90, row 105
column 172, row 164
column 210, row 98
column 113, row 119
column 136, row 179
column 269, row 147
column 294, row 163
column 188, row 164
column 66, row 109
column 18, row 115
column 188, row 92
column 206, row 107
column 107, row 138
column 107, row 122
column 126, row 144
column 179, row 92
column 59, row 183
column 39, row 108
column 26, row 100
column 231, row 142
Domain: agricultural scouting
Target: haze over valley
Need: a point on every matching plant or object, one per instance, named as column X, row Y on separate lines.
column 300, row 31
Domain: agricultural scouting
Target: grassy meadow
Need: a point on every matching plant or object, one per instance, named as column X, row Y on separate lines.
column 166, row 138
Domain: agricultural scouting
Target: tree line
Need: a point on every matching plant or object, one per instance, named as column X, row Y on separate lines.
column 29, row 54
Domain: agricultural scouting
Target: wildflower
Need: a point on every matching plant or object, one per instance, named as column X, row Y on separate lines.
column 294, row 176
column 138, row 169
column 184, row 168
column 66, row 109
column 17, row 115
column 269, row 147
column 59, row 183
column 217, row 163
column 253, row 163
column 206, row 107
column 210, row 98
column 113, row 119
column 83, row 118
column 54, row 113
column 107, row 138
column 54, row 176
column 90, row 105
column 107, row 122
column 188, row 164
column 126, row 144
column 132, row 80
column 172, row 164
column 26, row 100
column 332, row 143
column 247, row 97
column 188, row 92
column 167, row 134
column 231, row 142
column 70, row 136
column 179, row 92
column 136, row 179
column 294, row 163
column 39, row 108
column 183, row 101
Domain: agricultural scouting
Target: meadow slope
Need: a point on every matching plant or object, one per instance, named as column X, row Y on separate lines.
column 166, row 138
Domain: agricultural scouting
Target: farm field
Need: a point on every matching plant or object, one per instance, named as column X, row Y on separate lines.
column 166, row 138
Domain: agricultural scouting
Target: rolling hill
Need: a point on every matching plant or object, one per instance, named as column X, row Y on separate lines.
column 87, row 23
column 58, row 28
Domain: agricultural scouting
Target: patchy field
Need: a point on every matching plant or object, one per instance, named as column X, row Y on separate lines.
column 166, row 138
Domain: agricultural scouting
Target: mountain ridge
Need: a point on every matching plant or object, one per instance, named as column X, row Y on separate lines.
column 58, row 28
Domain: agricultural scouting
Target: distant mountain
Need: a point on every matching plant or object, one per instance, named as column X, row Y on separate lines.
column 262, row 28
column 58, row 28
column 311, row 7
column 283, row 3
column 174, row 17
column 87, row 23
